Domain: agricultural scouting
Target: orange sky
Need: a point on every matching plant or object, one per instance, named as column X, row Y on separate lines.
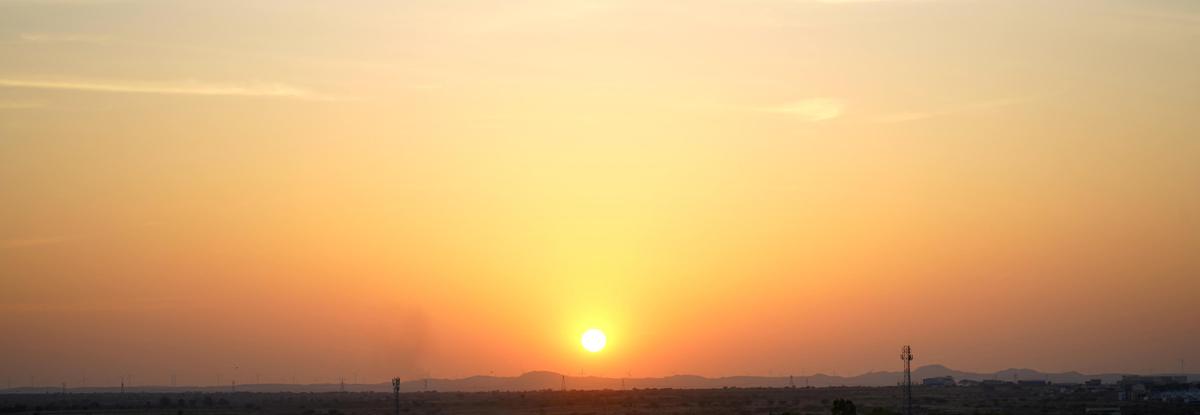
column 224, row 189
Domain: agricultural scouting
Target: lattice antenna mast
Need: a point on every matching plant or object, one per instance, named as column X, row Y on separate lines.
column 907, row 357
column 396, row 390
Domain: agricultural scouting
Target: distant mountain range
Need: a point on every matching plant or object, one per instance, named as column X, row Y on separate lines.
column 541, row 380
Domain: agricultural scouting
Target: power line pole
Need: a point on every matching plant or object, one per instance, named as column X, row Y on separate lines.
column 396, row 389
column 907, row 357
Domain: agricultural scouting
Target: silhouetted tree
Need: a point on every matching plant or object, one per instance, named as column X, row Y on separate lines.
column 844, row 407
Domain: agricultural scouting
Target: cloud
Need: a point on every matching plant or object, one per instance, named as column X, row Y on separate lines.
column 811, row 109
column 869, row 1
column 511, row 17
column 63, row 38
column 65, row 2
column 270, row 90
column 37, row 241
column 98, row 305
column 21, row 105
column 906, row 116
column 58, row 239
column 1180, row 17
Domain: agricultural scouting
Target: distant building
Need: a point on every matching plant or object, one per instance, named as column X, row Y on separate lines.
column 1153, row 380
column 994, row 382
column 1185, row 396
column 938, row 381
column 1133, row 392
column 1094, row 382
column 968, row 382
column 1137, row 388
column 1032, row 382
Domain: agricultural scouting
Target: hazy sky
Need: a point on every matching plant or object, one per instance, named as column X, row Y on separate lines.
column 314, row 189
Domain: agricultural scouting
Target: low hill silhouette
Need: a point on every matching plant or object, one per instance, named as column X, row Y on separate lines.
column 543, row 380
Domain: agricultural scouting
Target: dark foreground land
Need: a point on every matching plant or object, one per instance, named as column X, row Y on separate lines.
column 877, row 400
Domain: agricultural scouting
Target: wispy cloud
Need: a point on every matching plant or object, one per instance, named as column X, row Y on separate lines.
column 64, row 38
column 516, row 16
column 906, row 116
column 811, row 109
column 269, row 90
column 870, row 1
column 42, row 240
column 21, row 105
column 98, row 305
column 1179, row 17
column 37, row 241
column 66, row 2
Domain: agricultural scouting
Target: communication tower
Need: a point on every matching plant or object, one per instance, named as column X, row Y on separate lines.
column 396, row 390
column 907, row 357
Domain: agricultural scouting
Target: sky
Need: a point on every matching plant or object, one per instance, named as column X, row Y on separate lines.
column 297, row 191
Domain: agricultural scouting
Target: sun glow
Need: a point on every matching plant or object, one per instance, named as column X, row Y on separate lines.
column 593, row 340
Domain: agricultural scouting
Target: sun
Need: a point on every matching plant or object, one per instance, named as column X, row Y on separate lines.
column 593, row 340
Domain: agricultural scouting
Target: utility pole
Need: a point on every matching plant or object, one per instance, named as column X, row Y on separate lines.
column 907, row 357
column 396, row 389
